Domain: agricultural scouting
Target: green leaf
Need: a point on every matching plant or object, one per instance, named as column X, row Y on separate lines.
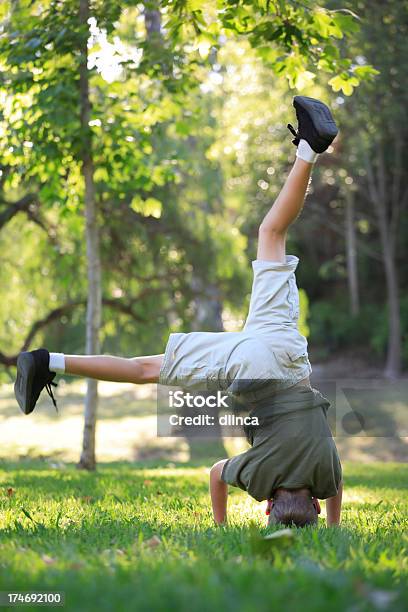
column 336, row 83
column 346, row 84
column 347, row 23
column 269, row 545
column 101, row 175
column 347, row 88
column 322, row 23
column 353, row 81
column 325, row 25
column 365, row 72
column 151, row 207
column 330, row 52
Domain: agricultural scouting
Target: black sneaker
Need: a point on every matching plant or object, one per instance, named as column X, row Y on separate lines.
column 33, row 375
column 315, row 123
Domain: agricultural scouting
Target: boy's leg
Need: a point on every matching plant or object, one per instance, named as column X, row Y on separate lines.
column 137, row 370
column 36, row 370
column 273, row 229
column 316, row 131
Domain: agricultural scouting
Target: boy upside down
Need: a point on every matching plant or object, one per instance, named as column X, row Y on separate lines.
column 293, row 459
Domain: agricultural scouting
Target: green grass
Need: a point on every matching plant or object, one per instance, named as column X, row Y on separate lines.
column 88, row 535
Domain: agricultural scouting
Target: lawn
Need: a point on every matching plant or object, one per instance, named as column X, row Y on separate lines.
column 130, row 537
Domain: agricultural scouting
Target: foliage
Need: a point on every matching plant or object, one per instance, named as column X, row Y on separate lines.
column 295, row 39
column 369, row 163
column 133, row 534
column 142, row 135
column 380, row 337
column 333, row 330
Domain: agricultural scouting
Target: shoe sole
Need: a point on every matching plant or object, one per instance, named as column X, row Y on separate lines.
column 322, row 120
column 24, row 381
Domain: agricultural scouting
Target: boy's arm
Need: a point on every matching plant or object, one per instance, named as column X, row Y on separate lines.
column 219, row 493
column 333, row 507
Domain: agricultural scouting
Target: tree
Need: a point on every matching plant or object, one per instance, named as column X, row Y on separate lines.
column 377, row 148
column 351, row 252
column 94, row 303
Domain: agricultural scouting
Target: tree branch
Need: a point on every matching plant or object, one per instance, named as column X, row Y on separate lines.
column 15, row 207
column 30, row 205
column 66, row 309
column 314, row 206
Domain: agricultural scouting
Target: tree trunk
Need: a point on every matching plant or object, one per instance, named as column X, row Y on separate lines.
column 207, row 307
column 94, row 303
column 351, row 254
column 388, row 241
column 152, row 19
column 379, row 194
column 393, row 364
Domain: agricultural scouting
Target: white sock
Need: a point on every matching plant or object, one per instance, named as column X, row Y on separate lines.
column 57, row 363
column 305, row 152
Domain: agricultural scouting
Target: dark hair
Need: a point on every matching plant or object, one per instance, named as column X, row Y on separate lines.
column 293, row 507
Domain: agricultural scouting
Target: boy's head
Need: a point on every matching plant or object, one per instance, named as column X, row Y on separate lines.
column 293, row 507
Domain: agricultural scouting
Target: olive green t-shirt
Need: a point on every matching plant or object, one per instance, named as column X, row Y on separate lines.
column 291, row 448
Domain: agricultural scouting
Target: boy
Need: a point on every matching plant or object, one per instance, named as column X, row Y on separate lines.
column 293, row 459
